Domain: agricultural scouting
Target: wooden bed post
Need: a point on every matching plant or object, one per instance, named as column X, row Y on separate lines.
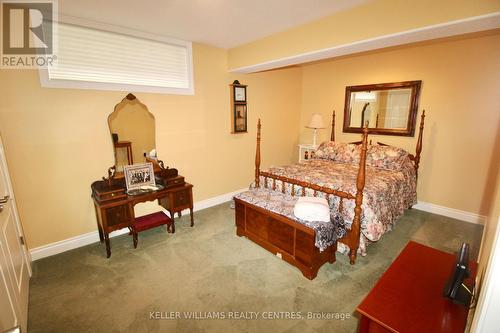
column 257, row 157
column 332, row 136
column 360, row 184
column 418, row 149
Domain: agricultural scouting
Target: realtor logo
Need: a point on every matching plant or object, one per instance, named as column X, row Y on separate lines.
column 27, row 33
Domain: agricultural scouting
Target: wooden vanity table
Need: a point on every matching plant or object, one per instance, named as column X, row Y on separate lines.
column 115, row 208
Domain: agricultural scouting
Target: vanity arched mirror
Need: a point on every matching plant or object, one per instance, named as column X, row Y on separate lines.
column 132, row 129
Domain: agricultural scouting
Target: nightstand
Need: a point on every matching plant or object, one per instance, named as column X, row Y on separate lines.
column 305, row 151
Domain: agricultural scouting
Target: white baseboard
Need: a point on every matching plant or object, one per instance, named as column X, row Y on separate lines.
column 69, row 244
column 93, row 237
column 210, row 202
column 450, row 212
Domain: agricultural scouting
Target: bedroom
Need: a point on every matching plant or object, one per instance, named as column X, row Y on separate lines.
column 57, row 143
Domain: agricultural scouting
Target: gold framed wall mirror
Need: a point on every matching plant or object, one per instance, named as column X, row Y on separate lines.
column 132, row 129
column 389, row 108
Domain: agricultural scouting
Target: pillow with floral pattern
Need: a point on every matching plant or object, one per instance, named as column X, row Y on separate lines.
column 386, row 157
column 339, row 152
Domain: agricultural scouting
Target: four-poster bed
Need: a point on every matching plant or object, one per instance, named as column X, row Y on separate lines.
column 263, row 214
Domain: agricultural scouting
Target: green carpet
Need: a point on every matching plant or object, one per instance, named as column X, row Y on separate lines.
column 208, row 271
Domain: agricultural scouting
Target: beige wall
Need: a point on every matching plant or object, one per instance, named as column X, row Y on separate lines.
column 491, row 200
column 370, row 20
column 57, row 141
column 460, row 92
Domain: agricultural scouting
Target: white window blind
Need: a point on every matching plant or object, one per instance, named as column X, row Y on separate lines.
column 96, row 59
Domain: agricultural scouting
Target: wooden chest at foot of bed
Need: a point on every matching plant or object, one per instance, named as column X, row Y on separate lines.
column 289, row 240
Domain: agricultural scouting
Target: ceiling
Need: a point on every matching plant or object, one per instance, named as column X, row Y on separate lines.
column 222, row 23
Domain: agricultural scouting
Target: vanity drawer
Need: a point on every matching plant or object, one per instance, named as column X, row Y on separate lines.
column 103, row 191
column 174, row 181
column 182, row 198
column 179, row 198
column 118, row 215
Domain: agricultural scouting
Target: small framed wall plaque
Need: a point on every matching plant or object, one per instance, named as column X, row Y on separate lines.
column 239, row 108
column 240, row 93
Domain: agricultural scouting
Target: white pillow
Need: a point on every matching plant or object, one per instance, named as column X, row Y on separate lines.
column 312, row 209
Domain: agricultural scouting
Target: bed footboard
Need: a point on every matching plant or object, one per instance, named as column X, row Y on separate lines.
column 287, row 239
column 353, row 234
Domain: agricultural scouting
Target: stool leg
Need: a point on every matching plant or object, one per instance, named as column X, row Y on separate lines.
column 134, row 237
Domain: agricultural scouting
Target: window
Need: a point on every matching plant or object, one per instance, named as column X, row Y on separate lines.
column 95, row 59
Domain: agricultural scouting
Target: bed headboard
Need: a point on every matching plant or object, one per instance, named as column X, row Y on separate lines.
column 418, row 149
column 332, row 135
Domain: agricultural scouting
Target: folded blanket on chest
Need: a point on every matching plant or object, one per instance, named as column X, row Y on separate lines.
column 327, row 232
column 312, row 209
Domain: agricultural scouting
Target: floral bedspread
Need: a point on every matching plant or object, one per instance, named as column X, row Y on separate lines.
column 387, row 193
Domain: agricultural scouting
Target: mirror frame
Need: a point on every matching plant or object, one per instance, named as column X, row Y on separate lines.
column 127, row 99
column 412, row 114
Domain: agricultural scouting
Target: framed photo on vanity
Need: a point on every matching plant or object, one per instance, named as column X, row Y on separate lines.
column 239, row 108
column 139, row 176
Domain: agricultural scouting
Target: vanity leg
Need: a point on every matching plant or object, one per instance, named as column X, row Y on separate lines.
column 99, row 227
column 179, row 214
column 191, row 214
column 108, row 246
column 173, row 224
column 101, row 235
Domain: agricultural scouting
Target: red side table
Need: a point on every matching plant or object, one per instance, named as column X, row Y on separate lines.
column 409, row 295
